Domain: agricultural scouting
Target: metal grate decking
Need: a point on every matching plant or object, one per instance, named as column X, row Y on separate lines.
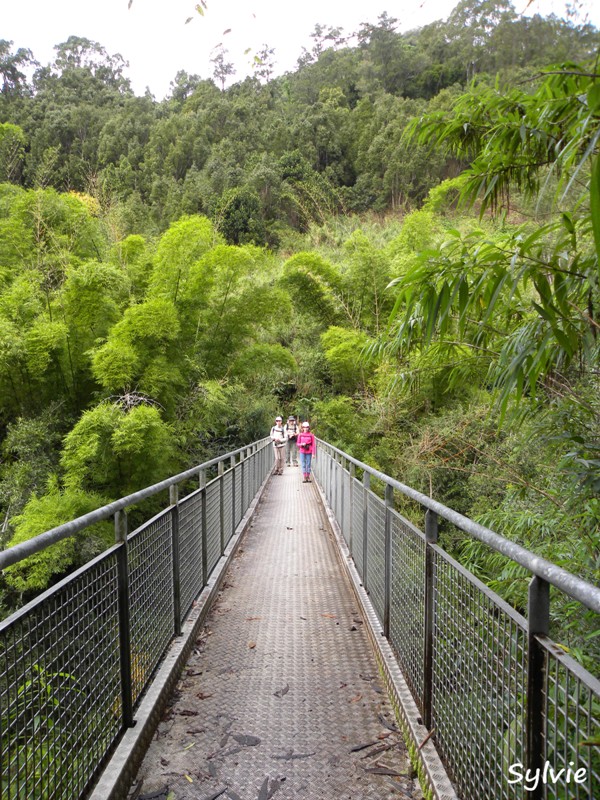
column 282, row 685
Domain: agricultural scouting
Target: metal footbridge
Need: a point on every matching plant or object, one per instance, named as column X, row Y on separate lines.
column 263, row 637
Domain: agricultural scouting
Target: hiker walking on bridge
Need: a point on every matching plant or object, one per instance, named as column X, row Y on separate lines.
column 307, row 447
column 278, row 438
column 291, row 449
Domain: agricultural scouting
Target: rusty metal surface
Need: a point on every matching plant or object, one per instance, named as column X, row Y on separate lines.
column 282, row 688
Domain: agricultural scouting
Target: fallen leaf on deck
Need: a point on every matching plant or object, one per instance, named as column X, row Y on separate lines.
column 387, row 724
column 251, row 645
column 376, row 751
column 383, row 771
column 264, row 790
column 158, row 795
column 356, row 699
column 187, row 777
column 251, row 619
column 281, row 692
column 202, row 696
column 291, row 756
column 216, row 794
column 329, row 616
column 246, row 740
column 187, row 713
column 359, row 747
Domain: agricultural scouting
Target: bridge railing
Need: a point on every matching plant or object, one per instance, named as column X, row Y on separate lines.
column 499, row 696
column 75, row 661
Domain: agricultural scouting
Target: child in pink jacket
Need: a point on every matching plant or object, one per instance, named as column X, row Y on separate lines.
column 307, row 447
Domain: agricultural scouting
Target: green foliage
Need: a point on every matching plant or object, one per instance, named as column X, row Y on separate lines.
column 184, row 243
column 238, row 217
column 139, row 349
column 264, row 365
column 343, row 349
column 12, row 152
column 48, row 511
column 312, row 281
column 29, row 456
column 336, row 421
column 118, row 449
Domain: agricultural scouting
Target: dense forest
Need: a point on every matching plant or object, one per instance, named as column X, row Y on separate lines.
column 398, row 240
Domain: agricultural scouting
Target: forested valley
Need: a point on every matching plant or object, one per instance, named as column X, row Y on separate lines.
column 398, row 241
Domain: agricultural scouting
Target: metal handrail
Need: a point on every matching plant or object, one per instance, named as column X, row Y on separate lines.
column 18, row 552
column 493, row 689
column 96, row 637
column 577, row 588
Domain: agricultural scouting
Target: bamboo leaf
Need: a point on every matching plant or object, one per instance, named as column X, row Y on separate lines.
column 595, row 203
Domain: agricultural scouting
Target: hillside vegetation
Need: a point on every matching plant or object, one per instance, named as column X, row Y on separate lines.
column 399, row 240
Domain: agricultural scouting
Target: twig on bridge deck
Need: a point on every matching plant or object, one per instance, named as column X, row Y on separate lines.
column 426, row 739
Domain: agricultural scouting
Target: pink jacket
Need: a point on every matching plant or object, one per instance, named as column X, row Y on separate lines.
column 309, row 442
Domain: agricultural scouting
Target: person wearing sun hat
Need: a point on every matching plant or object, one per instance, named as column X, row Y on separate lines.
column 291, row 450
column 278, row 438
column 307, row 447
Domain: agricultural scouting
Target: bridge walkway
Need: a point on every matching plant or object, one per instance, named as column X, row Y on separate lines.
column 282, row 688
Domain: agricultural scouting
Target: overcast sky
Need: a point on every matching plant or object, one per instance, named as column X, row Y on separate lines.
column 153, row 37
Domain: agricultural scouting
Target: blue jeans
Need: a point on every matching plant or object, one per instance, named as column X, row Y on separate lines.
column 305, row 459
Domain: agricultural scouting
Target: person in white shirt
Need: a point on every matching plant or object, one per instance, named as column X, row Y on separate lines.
column 278, row 438
column 291, row 450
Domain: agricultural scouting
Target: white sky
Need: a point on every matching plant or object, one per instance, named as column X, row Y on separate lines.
column 153, row 37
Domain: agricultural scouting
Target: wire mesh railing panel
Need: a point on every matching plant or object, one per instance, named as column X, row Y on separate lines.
column 375, row 577
column 479, row 683
column 237, row 477
column 213, row 524
column 336, row 489
column 190, row 549
column 346, row 509
column 319, row 468
column 248, row 463
column 407, row 607
column 227, row 503
column 358, row 498
column 60, row 703
column 572, row 730
column 151, row 597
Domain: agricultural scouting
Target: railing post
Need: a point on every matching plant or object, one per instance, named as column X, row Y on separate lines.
column 342, row 493
column 352, row 469
column 367, row 488
column 220, row 472
column 538, row 617
column 431, row 537
column 242, row 480
column 124, row 619
column 174, row 503
column 232, row 466
column 387, row 587
column 204, row 536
